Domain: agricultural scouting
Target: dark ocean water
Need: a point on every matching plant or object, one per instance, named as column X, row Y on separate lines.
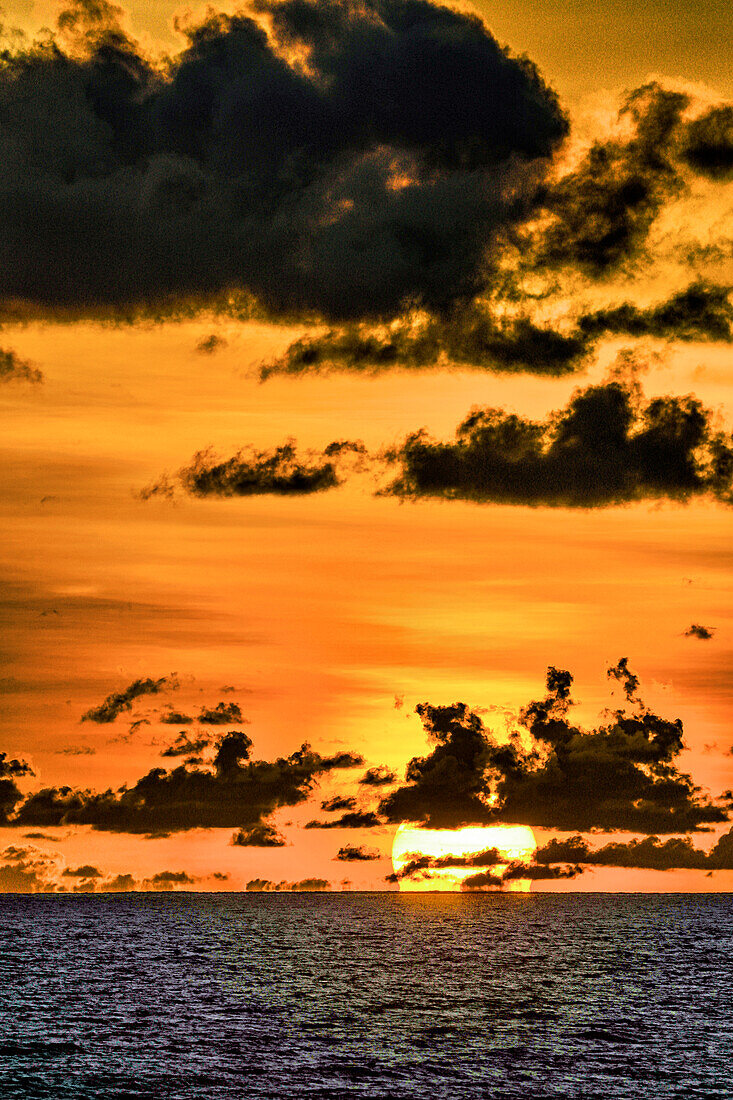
column 429, row 996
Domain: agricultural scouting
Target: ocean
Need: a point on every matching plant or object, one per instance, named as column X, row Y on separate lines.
column 426, row 996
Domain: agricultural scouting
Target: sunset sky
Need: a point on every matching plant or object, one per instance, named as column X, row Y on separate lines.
column 325, row 222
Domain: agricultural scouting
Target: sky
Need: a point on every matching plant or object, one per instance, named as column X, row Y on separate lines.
column 367, row 386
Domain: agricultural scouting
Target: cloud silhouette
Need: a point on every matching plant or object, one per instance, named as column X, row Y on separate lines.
column 621, row 776
column 120, row 701
column 382, row 171
column 605, row 448
column 234, row 791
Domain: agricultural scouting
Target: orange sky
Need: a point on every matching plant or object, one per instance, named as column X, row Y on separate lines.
column 320, row 611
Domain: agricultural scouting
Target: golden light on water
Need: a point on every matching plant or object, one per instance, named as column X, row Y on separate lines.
column 513, row 842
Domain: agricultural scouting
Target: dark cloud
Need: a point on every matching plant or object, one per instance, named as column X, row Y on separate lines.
column 702, row 311
column 223, row 714
column 169, row 880
column 358, row 819
column 10, row 794
column 233, row 792
column 622, row 674
column 175, row 718
column 120, row 884
column 76, row 750
column 469, row 337
column 707, row 143
column 473, row 336
column 352, row 853
column 416, row 863
column 262, row 835
column 15, row 369
column 481, row 880
column 86, row 871
column 377, row 777
column 605, row 448
column 306, row 885
column 449, row 787
column 381, row 171
column 187, row 746
column 696, row 630
column 338, row 802
column 648, row 853
column 617, row 777
column 120, row 701
column 207, row 345
column 15, row 768
column 280, row 472
column 601, row 212
column 26, row 871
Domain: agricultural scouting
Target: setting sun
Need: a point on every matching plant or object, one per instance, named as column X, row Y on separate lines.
column 513, row 842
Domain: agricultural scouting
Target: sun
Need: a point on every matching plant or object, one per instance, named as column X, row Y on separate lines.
column 513, row 842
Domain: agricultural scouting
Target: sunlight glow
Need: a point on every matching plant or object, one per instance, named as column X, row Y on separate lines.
column 513, row 842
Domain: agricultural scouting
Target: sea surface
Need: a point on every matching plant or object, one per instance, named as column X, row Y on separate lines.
column 433, row 996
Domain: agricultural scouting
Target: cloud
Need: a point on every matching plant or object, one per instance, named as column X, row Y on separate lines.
column 621, row 776
column 306, row 885
column 207, row 345
column 702, row 311
column 696, row 630
column 10, row 793
column 601, row 212
column 358, row 819
column 648, row 853
column 27, row 870
column 377, row 777
column 234, row 791
column 120, row 701
column 470, row 336
column 15, row 369
column 450, row 786
column 352, row 853
column 175, row 718
column 383, row 170
column 169, row 880
column 223, row 714
column 187, row 746
column 262, row 835
column 280, row 472
column 86, row 871
column 76, row 750
column 15, row 768
column 338, row 802
column 604, row 448
column 707, row 144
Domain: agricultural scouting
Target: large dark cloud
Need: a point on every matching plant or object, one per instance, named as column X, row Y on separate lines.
column 380, row 171
column 235, row 791
column 120, row 701
column 606, row 447
column 621, row 776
